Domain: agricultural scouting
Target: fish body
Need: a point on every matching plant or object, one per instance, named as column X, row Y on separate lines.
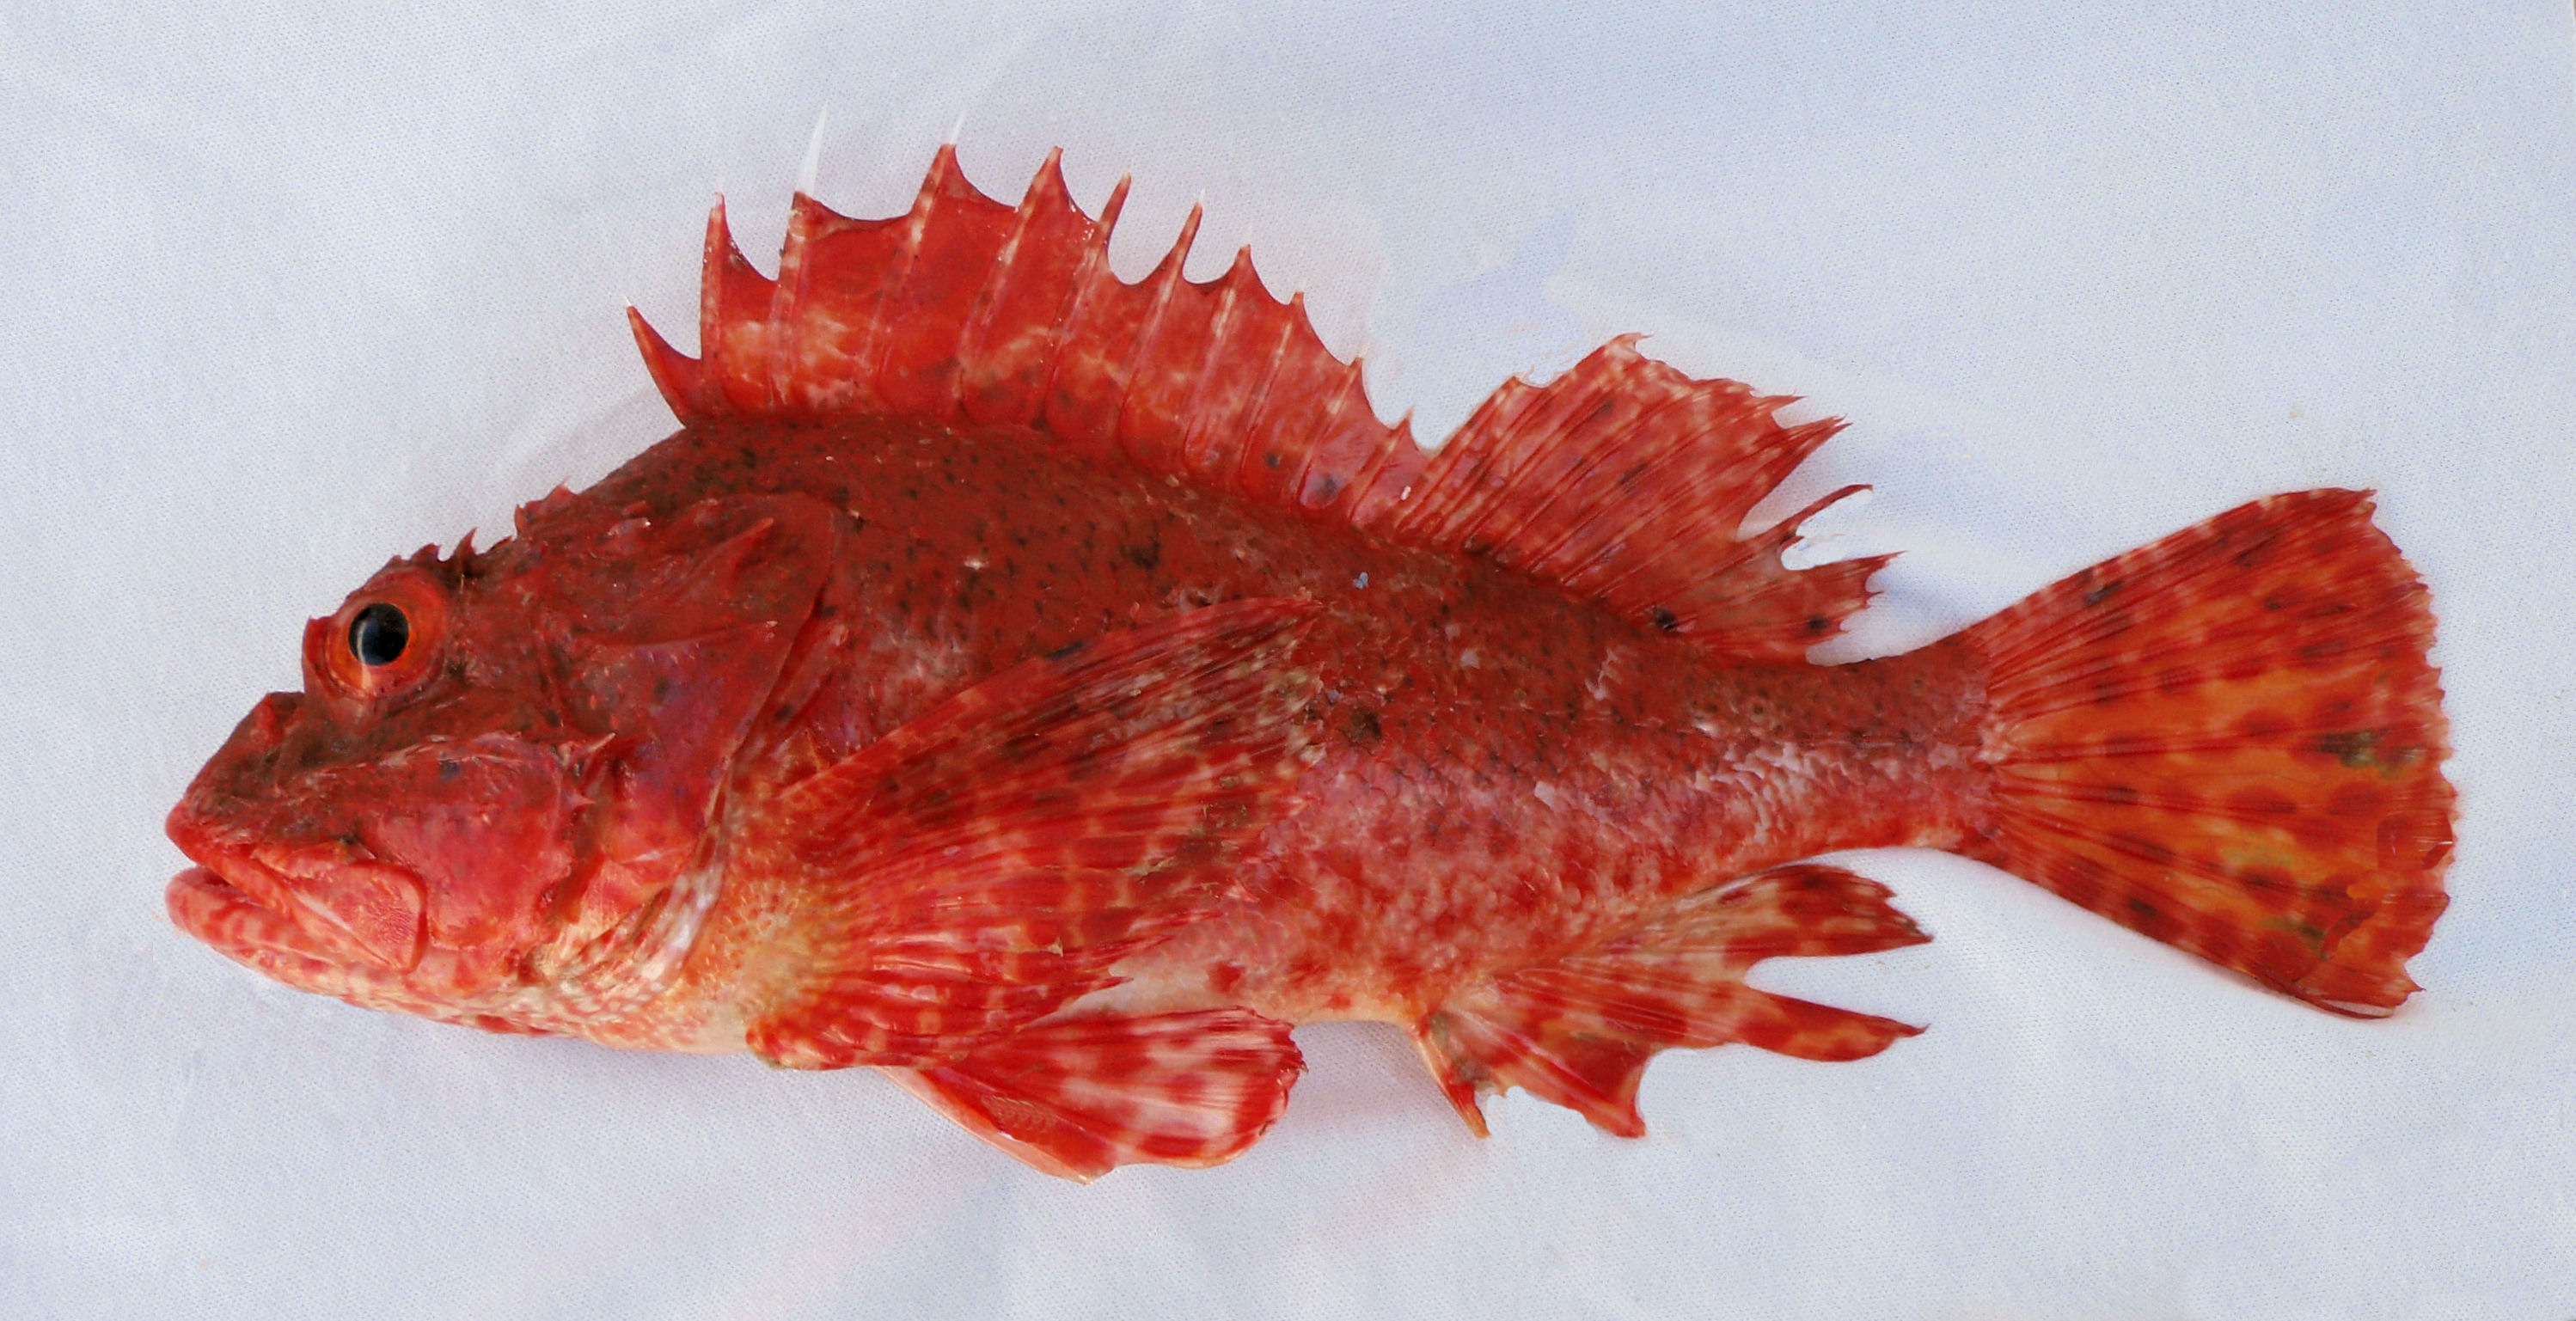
column 1050, row 690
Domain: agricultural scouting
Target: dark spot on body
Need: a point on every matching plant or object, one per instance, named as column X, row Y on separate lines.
column 1066, row 652
column 1665, row 619
column 1145, row 555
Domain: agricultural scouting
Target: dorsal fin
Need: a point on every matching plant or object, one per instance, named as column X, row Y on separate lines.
column 1622, row 481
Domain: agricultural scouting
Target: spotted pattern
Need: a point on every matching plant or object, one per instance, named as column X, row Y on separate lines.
column 1578, row 1031
column 2231, row 741
column 1083, row 1095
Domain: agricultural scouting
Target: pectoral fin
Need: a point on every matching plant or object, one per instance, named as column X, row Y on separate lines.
column 984, row 864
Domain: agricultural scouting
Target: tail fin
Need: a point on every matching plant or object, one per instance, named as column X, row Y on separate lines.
column 2231, row 741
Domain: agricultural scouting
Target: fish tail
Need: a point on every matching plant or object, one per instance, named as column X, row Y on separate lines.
column 2231, row 741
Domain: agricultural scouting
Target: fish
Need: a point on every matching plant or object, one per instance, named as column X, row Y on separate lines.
column 1050, row 691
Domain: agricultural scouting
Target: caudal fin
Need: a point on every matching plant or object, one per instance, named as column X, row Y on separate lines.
column 2231, row 741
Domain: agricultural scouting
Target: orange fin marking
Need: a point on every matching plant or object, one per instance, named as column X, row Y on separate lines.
column 986, row 862
column 2231, row 741
column 1079, row 1097
column 1578, row 1032
column 1622, row 481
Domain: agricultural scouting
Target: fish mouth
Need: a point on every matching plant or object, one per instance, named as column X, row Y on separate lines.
column 258, row 915
column 205, row 905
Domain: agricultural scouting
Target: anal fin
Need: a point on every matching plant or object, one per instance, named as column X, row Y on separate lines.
column 1079, row 1097
column 1579, row 1031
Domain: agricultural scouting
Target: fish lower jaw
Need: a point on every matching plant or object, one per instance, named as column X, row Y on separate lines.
column 211, row 908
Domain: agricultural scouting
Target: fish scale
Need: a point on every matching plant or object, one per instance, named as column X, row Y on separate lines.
column 1049, row 690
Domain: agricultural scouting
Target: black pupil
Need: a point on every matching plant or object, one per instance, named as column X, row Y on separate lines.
column 379, row 633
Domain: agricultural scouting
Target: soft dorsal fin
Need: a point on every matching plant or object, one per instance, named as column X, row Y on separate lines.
column 1622, row 481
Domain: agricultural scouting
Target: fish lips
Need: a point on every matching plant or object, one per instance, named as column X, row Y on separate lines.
column 327, row 903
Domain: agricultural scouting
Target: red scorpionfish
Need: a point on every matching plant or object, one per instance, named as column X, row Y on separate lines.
column 1049, row 690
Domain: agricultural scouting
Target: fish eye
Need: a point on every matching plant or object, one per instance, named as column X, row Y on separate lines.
column 379, row 634
column 386, row 640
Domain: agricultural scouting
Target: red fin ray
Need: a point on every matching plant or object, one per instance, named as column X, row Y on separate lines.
column 986, row 862
column 1578, row 1032
column 1627, row 482
column 1622, row 481
column 1080, row 1096
column 2231, row 741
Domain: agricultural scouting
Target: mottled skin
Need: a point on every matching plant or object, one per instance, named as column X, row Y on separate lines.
column 1505, row 774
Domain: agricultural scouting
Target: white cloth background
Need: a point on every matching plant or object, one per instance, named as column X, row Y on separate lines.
column 296, row 288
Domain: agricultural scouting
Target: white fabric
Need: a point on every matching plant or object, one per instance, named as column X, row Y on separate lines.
column 298, row 288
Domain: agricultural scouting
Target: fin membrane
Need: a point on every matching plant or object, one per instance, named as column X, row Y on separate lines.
column 2231, row 741
column 986, row 862
column 1080, row 1096
column 1578, row 1032
column 1622, row 481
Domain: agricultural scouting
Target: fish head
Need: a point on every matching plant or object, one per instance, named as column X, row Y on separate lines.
column 502, row 764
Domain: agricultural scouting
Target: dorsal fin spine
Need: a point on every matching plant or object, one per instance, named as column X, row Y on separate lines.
column 803, row 215
column 1079, row 381
column 1046, row 192
column 1385, row 477
column 1340, row 441
column 732, row 340
column 1019, row 374
column 1334, row 432
column 1232, row 383
column 1153, row 434
column 1348, row 415
column 675, row 374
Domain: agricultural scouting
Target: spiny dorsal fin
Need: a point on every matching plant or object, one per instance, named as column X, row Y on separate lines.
column 1622, row 481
